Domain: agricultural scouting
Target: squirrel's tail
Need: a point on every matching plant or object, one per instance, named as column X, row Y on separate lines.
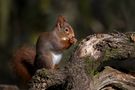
column 23, row 62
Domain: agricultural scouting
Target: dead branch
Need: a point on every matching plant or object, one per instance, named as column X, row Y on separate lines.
column 87, row 70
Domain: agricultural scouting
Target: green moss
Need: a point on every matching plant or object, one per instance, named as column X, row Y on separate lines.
column 110, row 53
column 115, row 53
column 42, row 73
column 91, row 66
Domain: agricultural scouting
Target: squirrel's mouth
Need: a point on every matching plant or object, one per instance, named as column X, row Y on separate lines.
column 73, row 40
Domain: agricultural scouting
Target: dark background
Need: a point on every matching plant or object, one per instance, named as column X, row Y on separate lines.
column 22, row 20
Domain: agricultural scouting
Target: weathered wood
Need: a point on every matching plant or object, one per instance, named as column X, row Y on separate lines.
column 87, row 69
column 8, row 87
column 115, row 79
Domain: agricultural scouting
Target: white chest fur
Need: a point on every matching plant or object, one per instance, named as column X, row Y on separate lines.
column 56, row 58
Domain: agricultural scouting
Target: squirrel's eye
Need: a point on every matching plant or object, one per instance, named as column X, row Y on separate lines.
column 66, row 29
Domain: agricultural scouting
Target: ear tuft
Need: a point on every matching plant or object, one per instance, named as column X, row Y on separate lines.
column 60, row 21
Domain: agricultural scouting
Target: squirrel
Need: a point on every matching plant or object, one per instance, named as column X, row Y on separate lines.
column 48, row 51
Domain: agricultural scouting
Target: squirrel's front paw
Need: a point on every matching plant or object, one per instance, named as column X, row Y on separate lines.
column 73, row 40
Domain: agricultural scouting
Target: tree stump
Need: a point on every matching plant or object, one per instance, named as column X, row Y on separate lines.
column 99, row 62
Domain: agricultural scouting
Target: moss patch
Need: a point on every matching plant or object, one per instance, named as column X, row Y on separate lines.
column 91, row 66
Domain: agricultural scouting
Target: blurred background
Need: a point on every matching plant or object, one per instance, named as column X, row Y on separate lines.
column 21, row 21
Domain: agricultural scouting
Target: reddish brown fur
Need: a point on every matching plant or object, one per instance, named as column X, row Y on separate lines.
column 24, row 61
column 23, row 54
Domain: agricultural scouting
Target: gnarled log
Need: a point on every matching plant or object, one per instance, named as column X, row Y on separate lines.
column 86, row 69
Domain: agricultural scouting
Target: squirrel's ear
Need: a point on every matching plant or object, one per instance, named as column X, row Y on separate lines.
column 60, row 21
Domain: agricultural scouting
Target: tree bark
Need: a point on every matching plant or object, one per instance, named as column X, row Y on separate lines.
column 8, row 87
column 100, row 62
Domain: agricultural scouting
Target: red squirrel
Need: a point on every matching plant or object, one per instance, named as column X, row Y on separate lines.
column 48, row 51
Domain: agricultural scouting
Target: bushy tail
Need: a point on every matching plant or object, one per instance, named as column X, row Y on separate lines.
column 23, row 62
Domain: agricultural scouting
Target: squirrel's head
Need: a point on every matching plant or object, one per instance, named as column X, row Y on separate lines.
column 65, row 29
